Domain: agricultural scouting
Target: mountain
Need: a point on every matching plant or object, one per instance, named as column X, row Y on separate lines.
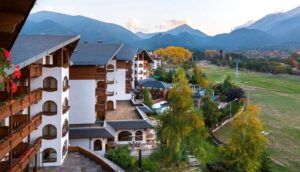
column 46, row 27
column 242, row 39
column 175, row 31
column 89, row 29
column 272, row 20
column 274, row 31
column 186, row 28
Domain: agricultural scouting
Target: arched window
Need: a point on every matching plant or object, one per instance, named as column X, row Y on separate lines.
column 65, row 147
column 110, row 105
column 66, row 84
column 66, row 106
column 138, row 136
column 98, row 145
column 65, row 128
column 49, row 155
column 50, row 84
column 125, row 136
column 49, row 108
column 110, row 67
column 49, row 132
column 140, row 65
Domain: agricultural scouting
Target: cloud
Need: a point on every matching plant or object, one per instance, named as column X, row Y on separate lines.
column 169, row 24
column 135, row 25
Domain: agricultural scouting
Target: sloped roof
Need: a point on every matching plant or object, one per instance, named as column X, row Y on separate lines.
column 127, row 53
column 89, row 132
column 132, row 124
column 30, row 48
column 153, row 83
column 95, row 53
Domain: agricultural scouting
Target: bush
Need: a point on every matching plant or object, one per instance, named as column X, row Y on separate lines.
column 121, row 156
column 149, row 165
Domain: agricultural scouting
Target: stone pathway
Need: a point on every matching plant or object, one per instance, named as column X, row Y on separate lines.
column 194, row 163
column 75, row 162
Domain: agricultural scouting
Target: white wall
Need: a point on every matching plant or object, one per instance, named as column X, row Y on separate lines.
column 89, row 144
column 82, row 101
column 120, row 85
column 57, row 120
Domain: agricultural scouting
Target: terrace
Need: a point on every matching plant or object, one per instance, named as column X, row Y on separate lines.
column 125, row 111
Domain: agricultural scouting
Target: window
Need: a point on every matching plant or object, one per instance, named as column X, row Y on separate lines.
column 49, row 108
column 98, row 145
column 125, row 136
column 65, row 84
column 138, row 136
column 110, row 67
column 49, row 60
column 141, row 65
column 49, row 132
column 49, row 155
column 65, row 128
column 66, row 106
column 50, row 84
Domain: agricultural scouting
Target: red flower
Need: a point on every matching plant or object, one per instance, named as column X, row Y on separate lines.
column 17, row 74
column 17, row 66
column 6, row 53
column 13, row 87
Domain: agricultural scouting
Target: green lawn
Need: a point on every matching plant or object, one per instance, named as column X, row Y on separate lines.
column 279, row 97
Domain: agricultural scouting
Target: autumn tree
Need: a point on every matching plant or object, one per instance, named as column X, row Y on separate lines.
column 177, row 55
column 182, row 128
column 199, row 77
column 247, row 145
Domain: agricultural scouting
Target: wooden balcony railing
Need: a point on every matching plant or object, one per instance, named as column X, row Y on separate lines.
column 12, row 107
column 100, row 76
column 24, row 160
column 100, row 91
column 35, row 70
column 17, row 136
column 100, row 107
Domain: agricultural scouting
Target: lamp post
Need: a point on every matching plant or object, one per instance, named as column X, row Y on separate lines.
column 230, row 105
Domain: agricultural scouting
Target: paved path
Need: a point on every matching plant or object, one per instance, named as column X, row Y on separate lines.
column 194, row 163
column 75, row 162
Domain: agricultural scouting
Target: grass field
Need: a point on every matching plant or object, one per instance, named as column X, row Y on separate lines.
column 279, row 98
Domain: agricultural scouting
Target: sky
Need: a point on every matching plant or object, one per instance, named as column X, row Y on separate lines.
column 210, row 16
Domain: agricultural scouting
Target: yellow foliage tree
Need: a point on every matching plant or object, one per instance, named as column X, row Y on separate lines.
column 244, row 151
column 199, row 77
column 177, row 55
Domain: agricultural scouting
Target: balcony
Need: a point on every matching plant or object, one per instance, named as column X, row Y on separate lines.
column 14, row 106
column 17, row 136
column 100, row 107
column 24, row 159
column 35, row 70
column 100, row 76
column 100, row 91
